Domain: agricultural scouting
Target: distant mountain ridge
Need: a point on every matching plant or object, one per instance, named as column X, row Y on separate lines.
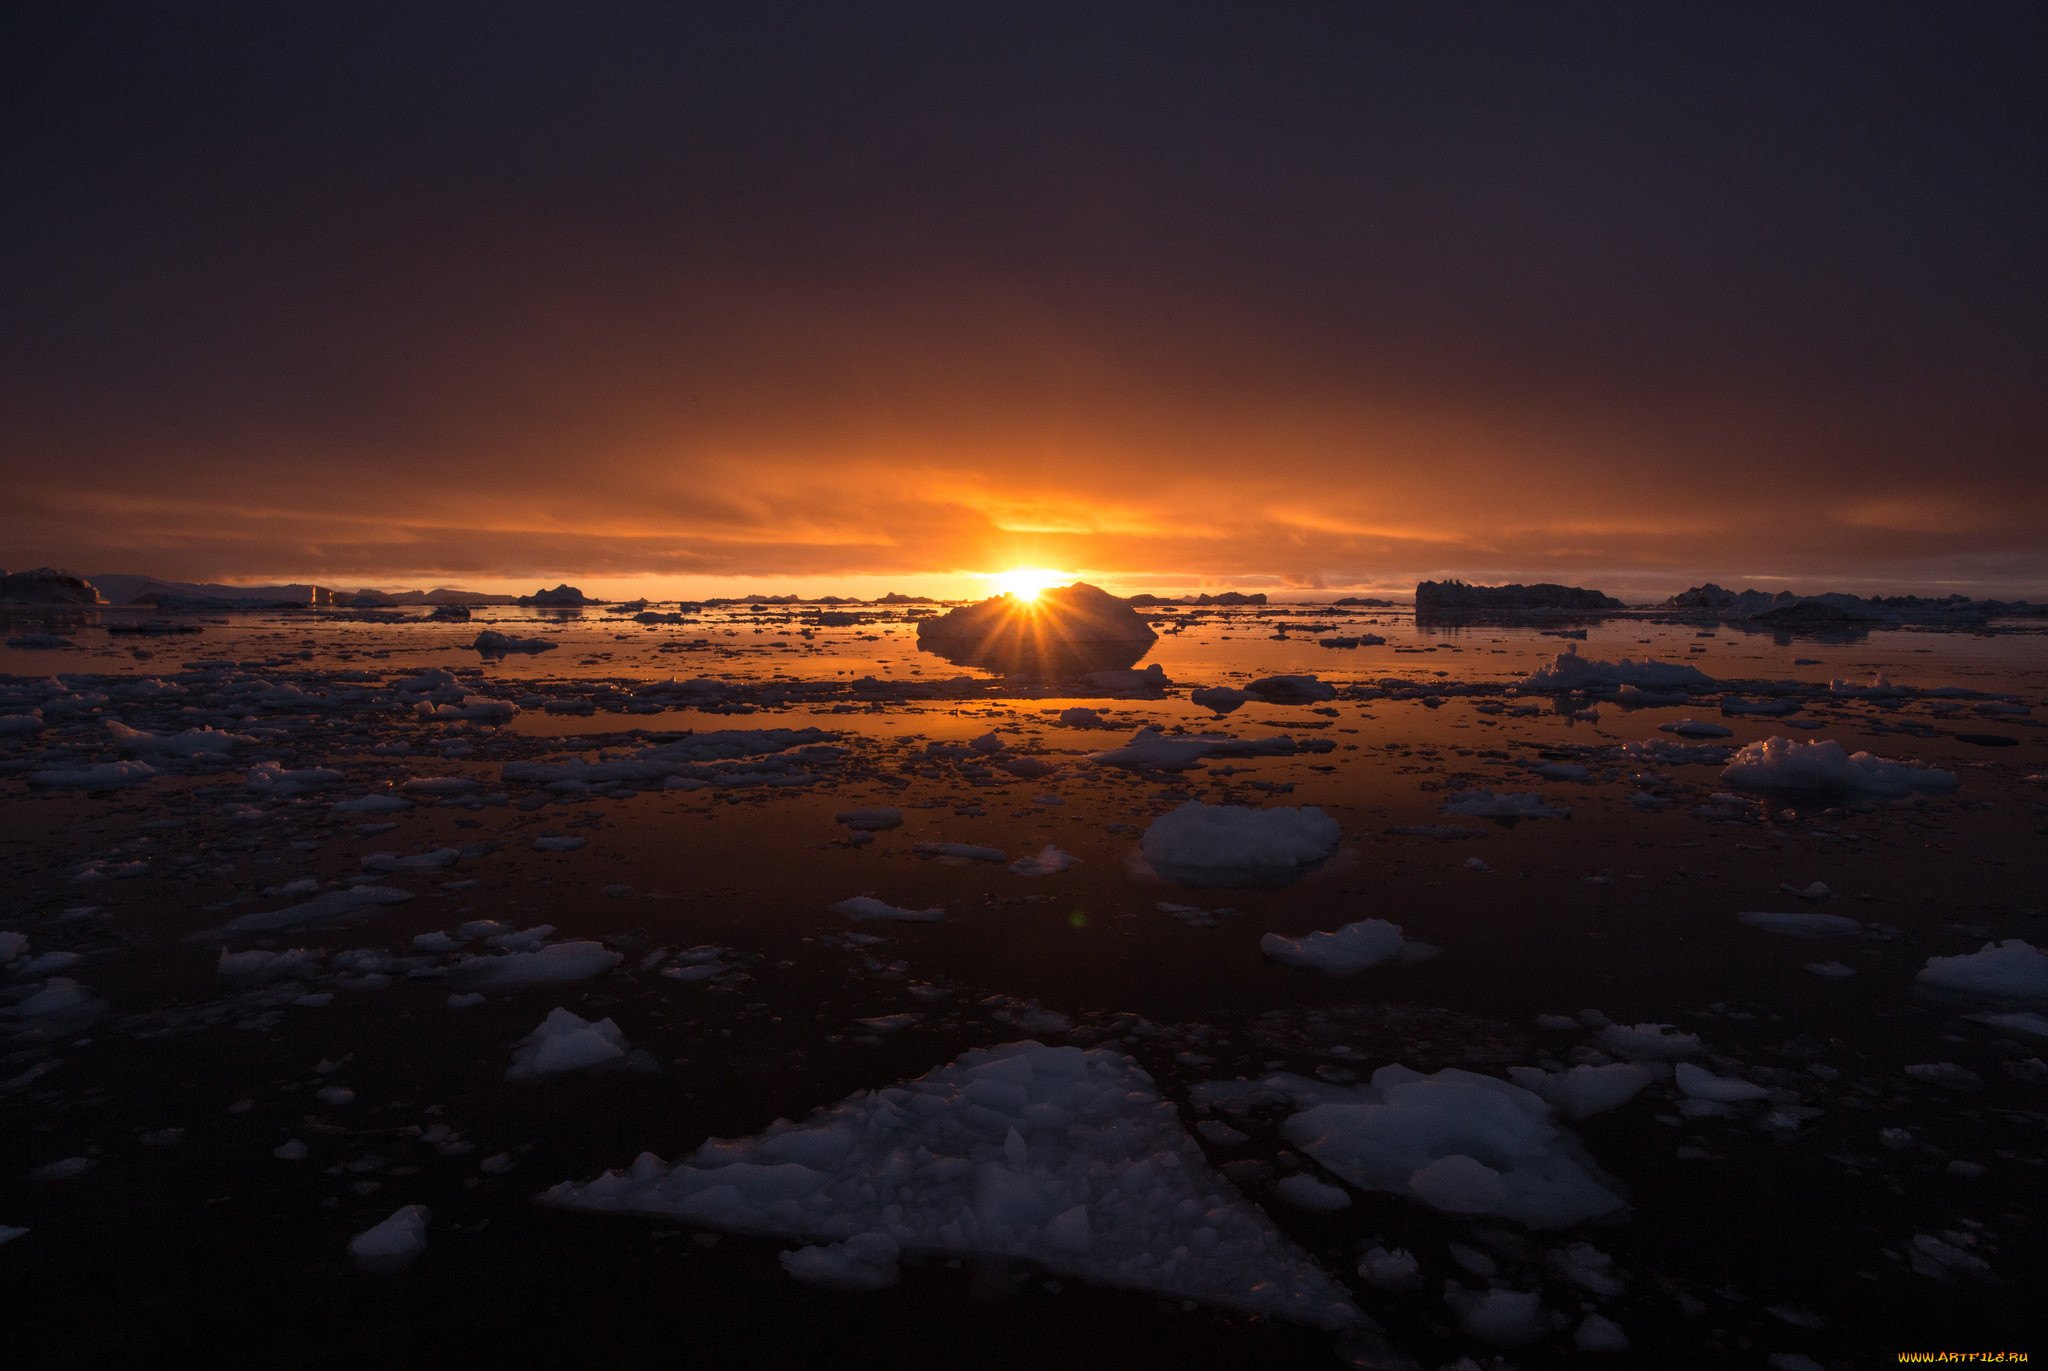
column 122, row 588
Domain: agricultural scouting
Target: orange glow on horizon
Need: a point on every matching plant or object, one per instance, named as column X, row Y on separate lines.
column 1027, row 583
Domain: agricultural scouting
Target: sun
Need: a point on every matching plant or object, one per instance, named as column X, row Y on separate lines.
column 1026, row 582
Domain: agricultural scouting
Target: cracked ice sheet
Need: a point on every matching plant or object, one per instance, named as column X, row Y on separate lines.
column 1065, row 1158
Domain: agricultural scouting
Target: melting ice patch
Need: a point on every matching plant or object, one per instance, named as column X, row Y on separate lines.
column 1067, row 1159
column 1205, row 844
column 1825, row 767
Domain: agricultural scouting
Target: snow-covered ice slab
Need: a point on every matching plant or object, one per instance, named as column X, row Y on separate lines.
column 1825, row 767
column 1068, row 1159
column 1457, row 1141
column 1205, row 844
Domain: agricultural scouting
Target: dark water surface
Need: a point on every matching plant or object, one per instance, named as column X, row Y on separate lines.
column 1786, row 1227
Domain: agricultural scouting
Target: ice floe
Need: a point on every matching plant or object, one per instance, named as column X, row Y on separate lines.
column 1066, row 1159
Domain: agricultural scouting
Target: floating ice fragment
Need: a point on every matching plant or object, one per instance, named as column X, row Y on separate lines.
column 1569, row 671
column 1455, row 1140
column 1349, row 950
column 866, row 1261
column 1824, row 768
column 555, row 964
column 867, row 907
column 1051, row 861
column 394, row 1244
column 1205, row 844
column 1484, row 804
column 2014, row 969
column 1700, row 1084
column 1306, row 1192
column 565, row 1042
column 1655, row 1041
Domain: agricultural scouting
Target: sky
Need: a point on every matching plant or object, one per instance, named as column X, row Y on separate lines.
column 717, row 298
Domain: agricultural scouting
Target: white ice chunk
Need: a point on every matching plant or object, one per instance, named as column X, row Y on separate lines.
column 864, row 908
column 565, row 1042
column 1569, row 671
column 1351, row 949
column 2014, row 969
column 394, row 1244
column 1484, row 804
column 1824, row 768
column 555, row 964
column 1456, row 1140
column 865, row 1261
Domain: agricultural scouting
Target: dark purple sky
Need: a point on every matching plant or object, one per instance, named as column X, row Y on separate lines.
column 1342, row 293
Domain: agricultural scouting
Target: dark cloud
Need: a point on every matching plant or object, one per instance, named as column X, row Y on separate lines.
column 1183, row 291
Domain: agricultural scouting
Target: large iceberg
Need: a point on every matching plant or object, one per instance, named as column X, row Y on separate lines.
column 1066, row 632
